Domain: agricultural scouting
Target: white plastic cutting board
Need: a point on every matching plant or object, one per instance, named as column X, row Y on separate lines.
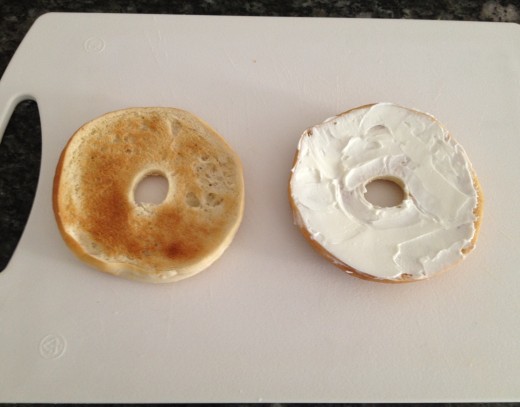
column 271, row 320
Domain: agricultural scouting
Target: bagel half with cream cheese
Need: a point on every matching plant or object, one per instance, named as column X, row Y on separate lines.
column 433, row 228
column 97, row 213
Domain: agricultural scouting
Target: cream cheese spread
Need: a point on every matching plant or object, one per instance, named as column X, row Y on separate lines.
column 424, row 234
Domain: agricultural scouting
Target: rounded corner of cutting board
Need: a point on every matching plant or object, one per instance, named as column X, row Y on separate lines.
column 42, row 18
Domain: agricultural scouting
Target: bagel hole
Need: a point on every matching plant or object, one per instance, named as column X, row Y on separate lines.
column 384, row 193
column 152, row 189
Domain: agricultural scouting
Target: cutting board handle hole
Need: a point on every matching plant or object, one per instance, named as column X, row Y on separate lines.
column 20, row 158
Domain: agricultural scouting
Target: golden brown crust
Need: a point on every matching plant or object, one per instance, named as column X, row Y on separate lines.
column 93, row 194
column 478, row 211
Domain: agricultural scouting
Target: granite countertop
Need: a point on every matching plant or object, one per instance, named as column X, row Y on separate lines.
column 20, row 147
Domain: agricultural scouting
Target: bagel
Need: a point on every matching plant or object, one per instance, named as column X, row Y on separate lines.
column 433, row 228
column 97, row 213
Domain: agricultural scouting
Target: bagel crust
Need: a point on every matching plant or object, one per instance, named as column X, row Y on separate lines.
column 435, row 226
column 93, row 196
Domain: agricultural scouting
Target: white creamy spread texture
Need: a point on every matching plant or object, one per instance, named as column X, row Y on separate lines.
column 424, row 234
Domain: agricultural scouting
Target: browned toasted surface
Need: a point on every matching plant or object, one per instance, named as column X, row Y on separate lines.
column 101, row 165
